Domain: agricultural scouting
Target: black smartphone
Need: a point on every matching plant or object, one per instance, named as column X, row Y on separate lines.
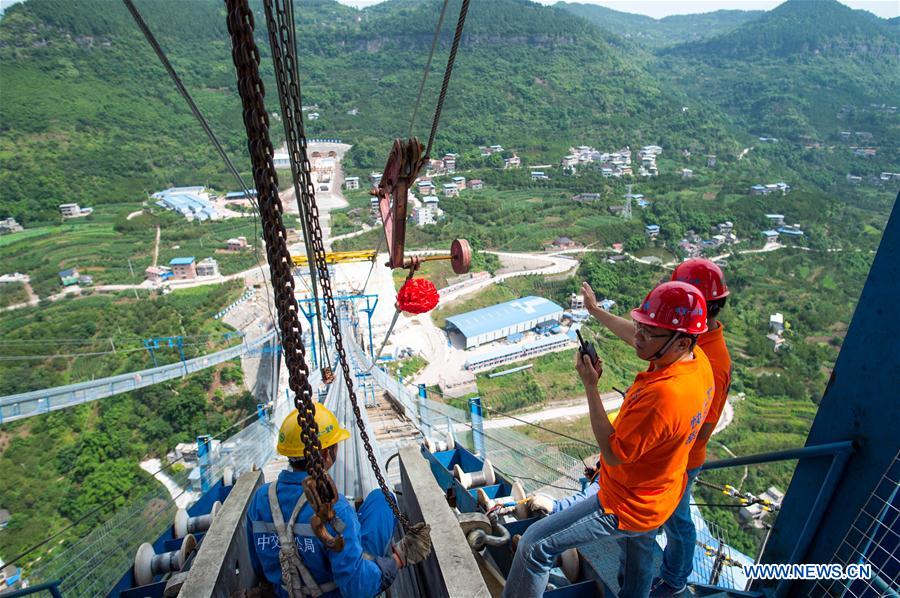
column 587, row 349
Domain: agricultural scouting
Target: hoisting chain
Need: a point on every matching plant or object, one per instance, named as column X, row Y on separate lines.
column 245, row 55
column 279, row 26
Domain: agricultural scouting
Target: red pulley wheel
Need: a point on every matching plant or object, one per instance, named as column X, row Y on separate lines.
column 460, row 256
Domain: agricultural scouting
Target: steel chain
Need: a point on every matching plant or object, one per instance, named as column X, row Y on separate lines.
column 245, row 55
column 289, row 86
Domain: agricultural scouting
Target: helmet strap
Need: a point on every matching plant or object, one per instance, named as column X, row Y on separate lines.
column 665, row 348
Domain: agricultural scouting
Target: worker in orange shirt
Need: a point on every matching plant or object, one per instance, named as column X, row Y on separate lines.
column 681, row 534
column 643, row 457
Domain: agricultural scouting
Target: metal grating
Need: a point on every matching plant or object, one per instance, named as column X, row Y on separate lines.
column 873, row 539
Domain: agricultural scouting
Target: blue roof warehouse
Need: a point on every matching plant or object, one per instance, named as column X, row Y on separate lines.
column 499, row 321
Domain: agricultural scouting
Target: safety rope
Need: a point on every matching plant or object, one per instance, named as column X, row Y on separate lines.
column 245, row 55
column 279, row 25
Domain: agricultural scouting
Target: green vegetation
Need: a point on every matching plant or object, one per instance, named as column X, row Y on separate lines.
column 62, row 466
column 12, row 293
column 114, row 250
column 407, row 366
column 654, row 33
column 125, row 131
column 40, row 343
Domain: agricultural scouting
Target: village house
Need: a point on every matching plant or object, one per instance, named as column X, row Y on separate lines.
column 238, row 244
column 576, row 301
column 72, row 210
column 207, row 267
column 428, row 212
column 450, row 163
column 460, row 181
column 157, row 274
column 425, row 187
column 183, row 268
column 476, row 185
column 450, row 190
column 513, row 162
column 69, row 277
column 563, row 243
column 9, row 225
column 652, row 230
column 351, row 182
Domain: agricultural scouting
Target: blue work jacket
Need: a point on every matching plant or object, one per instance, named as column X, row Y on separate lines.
column 353, row 574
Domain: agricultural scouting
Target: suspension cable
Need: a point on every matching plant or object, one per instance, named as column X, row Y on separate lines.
column 434, row 41
column 284, row 57
column 301, row 177
column 142, row 25
column 457, row 36
column 246, row 58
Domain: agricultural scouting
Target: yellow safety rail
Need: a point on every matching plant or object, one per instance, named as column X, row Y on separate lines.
column 339, row 257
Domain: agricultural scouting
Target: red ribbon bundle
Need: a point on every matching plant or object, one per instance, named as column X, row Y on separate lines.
column 417, row 296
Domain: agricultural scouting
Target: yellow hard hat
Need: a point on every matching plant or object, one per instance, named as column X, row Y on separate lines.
column 290, row 443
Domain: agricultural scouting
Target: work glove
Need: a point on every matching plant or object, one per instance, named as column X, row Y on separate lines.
column 415, row 545
column 541, row 503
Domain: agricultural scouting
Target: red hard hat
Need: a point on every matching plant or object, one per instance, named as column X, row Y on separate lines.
column 703, row 274
column 676, row 306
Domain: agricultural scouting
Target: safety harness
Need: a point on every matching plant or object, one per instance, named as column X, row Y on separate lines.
column 296, row 579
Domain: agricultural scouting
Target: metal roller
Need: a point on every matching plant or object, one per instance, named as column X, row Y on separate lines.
column 515, row 501
column 475, row 479
column 148, row 564
column 185, row 524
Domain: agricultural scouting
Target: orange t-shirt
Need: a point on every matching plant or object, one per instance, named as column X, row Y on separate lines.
column 652, row 436
column 713, row 344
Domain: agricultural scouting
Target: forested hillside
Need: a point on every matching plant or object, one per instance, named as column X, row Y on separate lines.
column 655, row 33
column 63, row 466
column 804, row 71
column 90, row 116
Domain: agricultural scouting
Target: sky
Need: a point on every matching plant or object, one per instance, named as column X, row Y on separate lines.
column 663, row 8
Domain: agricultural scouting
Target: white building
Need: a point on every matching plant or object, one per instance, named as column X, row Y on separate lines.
column 450, row 190
column 282, row 159
column 776, row 323
column 351, row 182
column 208, row 267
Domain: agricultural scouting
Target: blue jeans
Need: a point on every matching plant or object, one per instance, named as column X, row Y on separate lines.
column 582, row 523
column 681, row 538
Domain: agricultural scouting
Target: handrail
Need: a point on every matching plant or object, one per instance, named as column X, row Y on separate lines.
column 840, row 454
column 51, row 586
column 806, row 452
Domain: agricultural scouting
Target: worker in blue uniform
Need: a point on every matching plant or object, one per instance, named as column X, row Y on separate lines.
column 279, row 517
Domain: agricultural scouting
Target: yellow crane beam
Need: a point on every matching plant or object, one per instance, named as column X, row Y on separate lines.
column 339, row 257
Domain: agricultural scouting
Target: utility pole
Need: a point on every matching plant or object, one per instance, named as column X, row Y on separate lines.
column 626, row 213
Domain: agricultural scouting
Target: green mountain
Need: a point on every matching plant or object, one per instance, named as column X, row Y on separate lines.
column 804, row 71
column 90, row 116
column 657, row 33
